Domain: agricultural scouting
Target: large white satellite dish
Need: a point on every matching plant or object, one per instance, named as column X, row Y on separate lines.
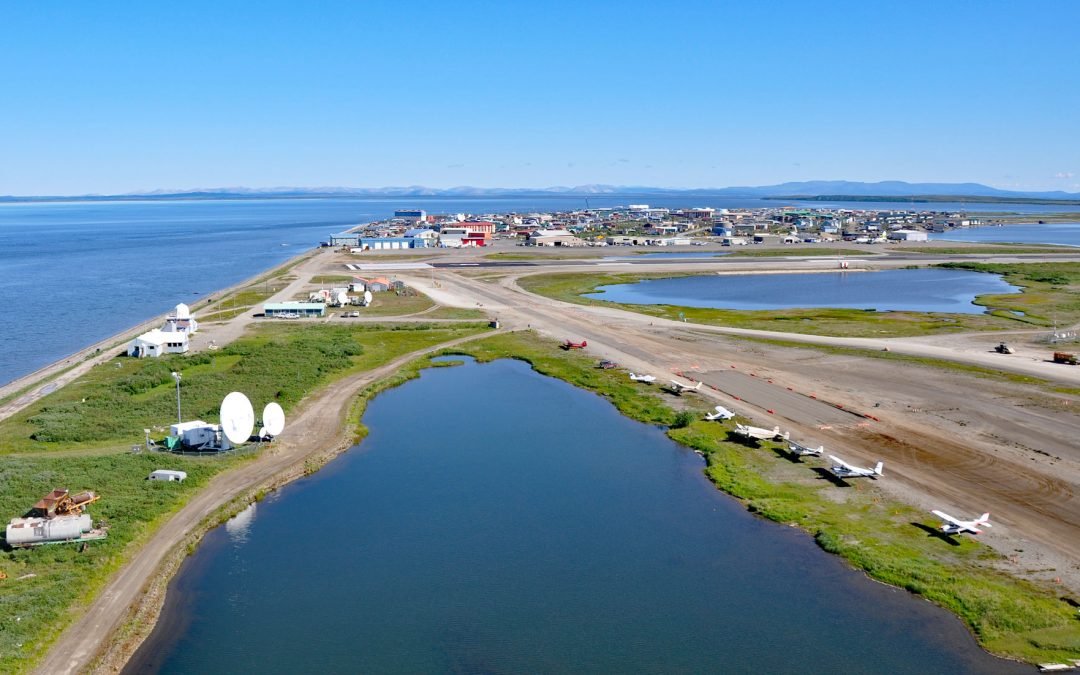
column 273, row 419
column 237, row 418
column 367, row 297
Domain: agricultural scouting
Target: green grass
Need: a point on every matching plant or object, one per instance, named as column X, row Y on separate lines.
column 1051, row 292
column 331, row 279
column 1008, row 616
column 569, row 287
column 458, row 313
column 389, row 303
column 115, row 401
column 83, row 447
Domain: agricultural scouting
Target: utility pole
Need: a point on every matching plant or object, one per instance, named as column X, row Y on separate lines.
column 176, row 376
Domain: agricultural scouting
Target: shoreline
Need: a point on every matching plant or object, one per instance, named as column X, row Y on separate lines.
column 18, row 390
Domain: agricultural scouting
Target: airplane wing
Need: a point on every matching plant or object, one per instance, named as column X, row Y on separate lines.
column 842, row 463
column 947, row 518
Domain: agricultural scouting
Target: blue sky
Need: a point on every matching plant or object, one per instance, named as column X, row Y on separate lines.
column 124, row 96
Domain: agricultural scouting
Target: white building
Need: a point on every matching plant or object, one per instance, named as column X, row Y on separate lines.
column 158, row 342
column 553, row 238
column 908, row 235
column 180, row 321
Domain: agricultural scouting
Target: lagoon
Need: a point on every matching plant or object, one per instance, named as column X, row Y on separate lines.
column 919, row 290
column 484, row 536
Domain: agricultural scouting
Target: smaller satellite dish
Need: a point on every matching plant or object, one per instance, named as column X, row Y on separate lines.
column 237, row 418
column 367, row 297
column 262, row 432
column 183, row 311
column 273, row 419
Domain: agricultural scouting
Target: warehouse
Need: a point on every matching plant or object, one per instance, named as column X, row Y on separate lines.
column 294, row 310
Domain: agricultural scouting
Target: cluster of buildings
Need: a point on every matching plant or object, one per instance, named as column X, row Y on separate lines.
column 642, row 224
column 338, row 296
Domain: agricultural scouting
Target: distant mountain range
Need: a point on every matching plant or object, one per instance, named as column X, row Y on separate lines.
column 832, row 189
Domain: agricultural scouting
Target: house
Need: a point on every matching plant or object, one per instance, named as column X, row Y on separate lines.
column 374, row 284
column 157, row 342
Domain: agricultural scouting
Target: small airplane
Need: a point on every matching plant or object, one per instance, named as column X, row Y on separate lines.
column 844, row 470
column 721, row 414
column 801, row 450
column 678, row 387
column 955, row 526
column 570, row 344
column 760, row 433
column 647, row 379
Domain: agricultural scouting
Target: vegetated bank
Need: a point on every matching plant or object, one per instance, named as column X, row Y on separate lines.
column 1008, row 616
column 80, row 436
column 1050, row 290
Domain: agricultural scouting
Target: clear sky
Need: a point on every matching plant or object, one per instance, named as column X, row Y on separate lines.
column 107, row 97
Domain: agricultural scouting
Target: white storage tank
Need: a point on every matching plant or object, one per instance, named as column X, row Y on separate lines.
column 29, row 531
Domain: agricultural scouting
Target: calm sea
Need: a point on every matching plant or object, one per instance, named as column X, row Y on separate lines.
column 1066, row 234
column 500, row 537
column 74, row 273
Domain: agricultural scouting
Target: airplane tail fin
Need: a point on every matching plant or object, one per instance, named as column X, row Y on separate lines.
column 984, row 520
column 879, row 467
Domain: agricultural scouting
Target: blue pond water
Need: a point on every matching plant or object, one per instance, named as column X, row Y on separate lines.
column 479, row 537
column 1065, row 234
column 921, row 290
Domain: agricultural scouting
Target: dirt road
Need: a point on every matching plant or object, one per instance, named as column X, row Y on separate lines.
column 317, row 427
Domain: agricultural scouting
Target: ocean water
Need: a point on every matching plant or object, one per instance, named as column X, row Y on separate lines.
column 1063, row 234
column 920, row 290
column 74, row 273
column 486, row 539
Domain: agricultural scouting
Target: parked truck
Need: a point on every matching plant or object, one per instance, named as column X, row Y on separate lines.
column 1066, row 358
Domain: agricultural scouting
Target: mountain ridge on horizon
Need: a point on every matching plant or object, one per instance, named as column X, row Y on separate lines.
column 793, row 189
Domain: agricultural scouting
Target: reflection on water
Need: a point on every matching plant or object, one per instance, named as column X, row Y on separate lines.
column 920, row 290
column 239, row 525
column 498, row 521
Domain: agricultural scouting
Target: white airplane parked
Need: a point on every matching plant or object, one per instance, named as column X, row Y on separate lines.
column 955, row 526
column 721, row 414
column 679, row 387
column 647, row 379
column 845, row 470
column 761, row 434
column 802, row 450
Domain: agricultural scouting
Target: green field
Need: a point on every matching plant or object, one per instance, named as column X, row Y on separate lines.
column 1051, row 293
column 886, row 539
column 80, row 437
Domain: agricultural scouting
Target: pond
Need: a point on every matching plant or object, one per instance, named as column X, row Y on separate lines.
column 919, row 290
column 496, row 520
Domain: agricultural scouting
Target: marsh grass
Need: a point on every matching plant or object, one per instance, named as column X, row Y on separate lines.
column 888, row 540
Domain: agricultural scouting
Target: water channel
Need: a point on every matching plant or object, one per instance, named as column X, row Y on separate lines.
column 496, row 520
column 918, row 290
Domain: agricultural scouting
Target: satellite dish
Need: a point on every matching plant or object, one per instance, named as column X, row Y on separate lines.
column 273, row 419
column 367, row 297
column 237, row 418
column 183, row 311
